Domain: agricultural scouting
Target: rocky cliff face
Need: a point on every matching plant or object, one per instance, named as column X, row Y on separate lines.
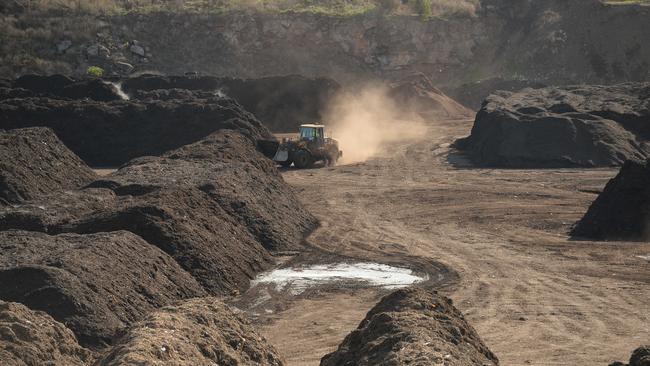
column 551, row 41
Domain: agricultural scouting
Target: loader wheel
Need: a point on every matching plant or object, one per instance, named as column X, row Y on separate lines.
column 332, row 157
column 286, row 164
column 302, row 159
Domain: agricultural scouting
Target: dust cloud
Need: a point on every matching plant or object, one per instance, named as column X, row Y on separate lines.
column 366, row 120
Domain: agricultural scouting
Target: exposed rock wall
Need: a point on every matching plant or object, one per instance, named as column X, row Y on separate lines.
column 550, row 41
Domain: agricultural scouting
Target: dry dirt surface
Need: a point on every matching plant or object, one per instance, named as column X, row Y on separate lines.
column 534, row 296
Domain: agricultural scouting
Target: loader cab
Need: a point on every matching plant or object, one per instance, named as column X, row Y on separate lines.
column 313, row 133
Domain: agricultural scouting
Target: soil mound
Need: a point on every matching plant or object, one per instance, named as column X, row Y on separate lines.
column 416, row 94
column 415, row 327
column 33, row 338
column 197, row 332
column 228, row 168
column 63, row 87
column 562, row 127
column 640, row 357
column 51, row 84
column 33, row 162
column 472, row 95
column 112, row 133
column 95, row 284
column 622, row 210
column 196, row 203
column 282, row 103
column 94, row 89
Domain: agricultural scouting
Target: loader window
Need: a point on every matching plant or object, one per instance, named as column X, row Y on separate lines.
column 308, row 133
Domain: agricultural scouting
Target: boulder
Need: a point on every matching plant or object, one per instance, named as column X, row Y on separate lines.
column 98, row 50
column 33, row 338
column 63, row 46
column 95, row 284
column 622, row 210
column 412, row 327
column 584, row 126
column 138, row 50
column 34, row 162
column 197, row 332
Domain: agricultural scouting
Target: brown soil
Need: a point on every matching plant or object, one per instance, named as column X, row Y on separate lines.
column 196, row 332
column 33, row 338
column 534, row 296
column 95, row 284
column 34, row 162
column 195, row 203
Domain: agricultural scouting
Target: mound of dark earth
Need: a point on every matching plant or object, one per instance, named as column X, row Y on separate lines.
column 33, row 338
column 472, row 95
column 622, row 210
column 34, row 162
column 216, row 206
column 198, row 332
column 571, row 126
column 282, row 103
column 417, row 95
column 412, row 327
column 95, row 284
column 62, row 87
column 112, row 133
column 227, row 167
column 640, row 357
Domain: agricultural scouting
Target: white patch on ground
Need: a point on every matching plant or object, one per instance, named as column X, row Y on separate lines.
column 298, row 279
column 645, row 257
column 120, row 92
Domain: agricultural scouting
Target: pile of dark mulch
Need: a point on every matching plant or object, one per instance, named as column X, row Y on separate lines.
column 570, row 126
column 622, row 210
column 412, row 327
column 34, row 162
column 197, row 332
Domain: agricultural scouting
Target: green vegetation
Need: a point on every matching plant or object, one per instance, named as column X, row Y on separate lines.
column 423, row 8
column 95, row 71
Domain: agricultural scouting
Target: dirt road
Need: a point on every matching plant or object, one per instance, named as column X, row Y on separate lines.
column 534, row 296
